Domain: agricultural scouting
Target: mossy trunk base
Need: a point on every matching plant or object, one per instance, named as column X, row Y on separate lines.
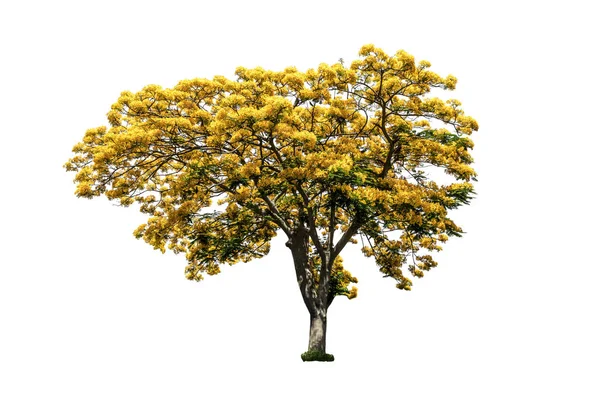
column 316, row 356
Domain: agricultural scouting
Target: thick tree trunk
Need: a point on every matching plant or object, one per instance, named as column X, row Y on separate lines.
column 315, row 301
column 318, row 332
column 317, row 337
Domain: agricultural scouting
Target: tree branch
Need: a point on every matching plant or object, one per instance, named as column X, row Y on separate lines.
column 356, row 223
column 274, row 212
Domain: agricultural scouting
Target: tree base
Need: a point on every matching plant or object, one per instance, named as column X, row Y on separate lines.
column 316, row 356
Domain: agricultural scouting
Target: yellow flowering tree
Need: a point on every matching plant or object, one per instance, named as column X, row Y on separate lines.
column 326, row 155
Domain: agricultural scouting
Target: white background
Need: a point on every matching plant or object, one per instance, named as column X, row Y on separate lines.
column 88, row 312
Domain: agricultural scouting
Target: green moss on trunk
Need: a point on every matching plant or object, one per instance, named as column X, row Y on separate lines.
column 316, row 356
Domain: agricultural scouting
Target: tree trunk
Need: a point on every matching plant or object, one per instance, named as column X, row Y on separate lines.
column 316, row 338
column 316, row 303
column 318, row 332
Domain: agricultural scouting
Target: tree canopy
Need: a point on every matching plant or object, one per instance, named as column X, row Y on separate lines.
column 335, row 150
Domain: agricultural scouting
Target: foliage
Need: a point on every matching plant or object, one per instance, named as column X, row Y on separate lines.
column 336, row 149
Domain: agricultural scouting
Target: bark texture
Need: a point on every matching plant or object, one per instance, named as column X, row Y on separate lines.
column 318, row 332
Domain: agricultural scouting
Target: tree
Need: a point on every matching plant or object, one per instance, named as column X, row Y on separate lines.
column 323, row 155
